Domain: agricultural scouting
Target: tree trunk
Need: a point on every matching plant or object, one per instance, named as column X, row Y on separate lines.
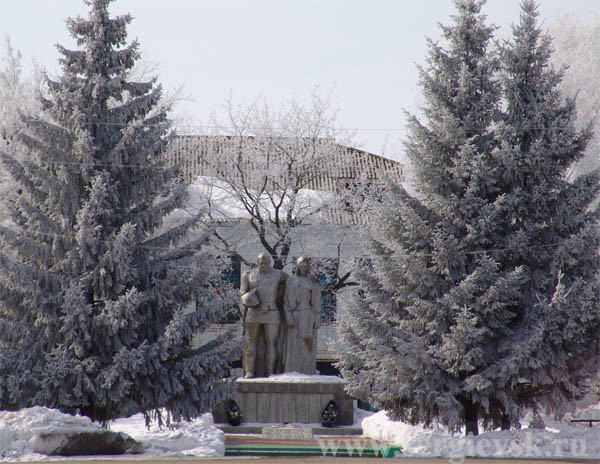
column 470, row 416
column 505, row 422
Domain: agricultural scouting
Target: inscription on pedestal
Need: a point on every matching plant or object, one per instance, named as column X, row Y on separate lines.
column 287, row 433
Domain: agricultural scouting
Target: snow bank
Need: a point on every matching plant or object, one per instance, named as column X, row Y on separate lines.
column 201, row 438
column 18, row 429
column 558, row 440
column 197, row 438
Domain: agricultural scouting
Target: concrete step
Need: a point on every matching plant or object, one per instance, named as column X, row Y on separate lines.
column 338, row 446
column 303, row 451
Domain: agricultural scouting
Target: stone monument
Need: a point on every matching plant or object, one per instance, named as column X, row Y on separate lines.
column 281, row 316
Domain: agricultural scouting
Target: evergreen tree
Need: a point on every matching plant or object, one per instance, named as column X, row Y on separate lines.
column 474, row 284
column 96, row 294
column 551, row 230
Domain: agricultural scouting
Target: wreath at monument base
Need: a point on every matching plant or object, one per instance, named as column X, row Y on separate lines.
column 234, row 414
column 329, row 416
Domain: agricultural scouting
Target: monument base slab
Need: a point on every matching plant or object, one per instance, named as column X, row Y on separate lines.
column 287, row 400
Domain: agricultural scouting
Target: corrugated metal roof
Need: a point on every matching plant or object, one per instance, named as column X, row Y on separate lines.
column 331, row 162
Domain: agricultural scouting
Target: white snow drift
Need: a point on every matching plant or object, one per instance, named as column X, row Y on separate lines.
column 18, row 430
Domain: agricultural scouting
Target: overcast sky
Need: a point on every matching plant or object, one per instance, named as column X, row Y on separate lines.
column 365, row 49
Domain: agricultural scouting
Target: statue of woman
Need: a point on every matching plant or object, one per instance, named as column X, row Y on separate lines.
column 302, row 310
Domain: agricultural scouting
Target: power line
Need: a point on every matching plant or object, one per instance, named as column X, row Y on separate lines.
column 142, row 124
column 231, row 130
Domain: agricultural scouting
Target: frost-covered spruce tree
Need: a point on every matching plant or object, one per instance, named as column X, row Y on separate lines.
column 95, row 291
column 481, row 297
column 421, row 333
column 552, row 231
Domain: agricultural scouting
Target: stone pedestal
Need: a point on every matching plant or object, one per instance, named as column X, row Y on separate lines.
column 281, row 399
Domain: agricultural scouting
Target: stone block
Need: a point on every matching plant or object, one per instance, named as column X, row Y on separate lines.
column 86, row 443
column 287, row 433
column 289, row 401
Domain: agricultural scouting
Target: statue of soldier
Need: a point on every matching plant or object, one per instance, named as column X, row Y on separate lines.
column 260, row 290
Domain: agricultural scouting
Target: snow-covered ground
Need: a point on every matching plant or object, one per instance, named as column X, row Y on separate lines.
column 558, row 440
column 202, row 438
column 197, row 438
